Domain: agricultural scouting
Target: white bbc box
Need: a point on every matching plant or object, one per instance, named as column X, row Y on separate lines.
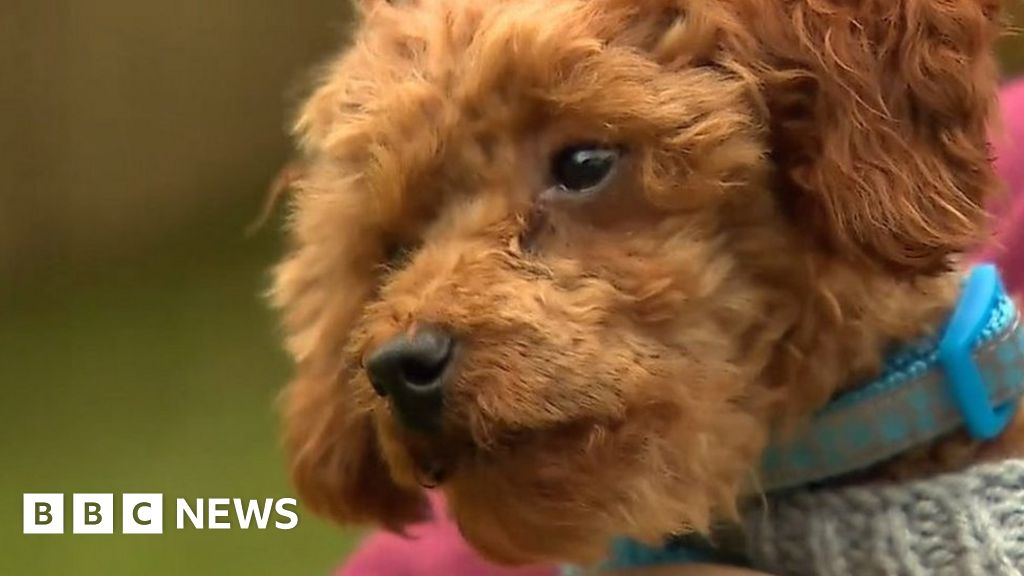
column 42, row 514
column 142, row 514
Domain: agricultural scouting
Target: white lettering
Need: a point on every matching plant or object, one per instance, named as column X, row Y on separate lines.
column 252, row 510
column 195, row 517
column 282, row 510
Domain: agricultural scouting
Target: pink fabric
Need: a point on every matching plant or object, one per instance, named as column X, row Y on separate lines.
column 1008, row 248
column 436, row 549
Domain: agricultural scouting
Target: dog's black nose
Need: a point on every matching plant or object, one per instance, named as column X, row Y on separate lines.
column 411, row 370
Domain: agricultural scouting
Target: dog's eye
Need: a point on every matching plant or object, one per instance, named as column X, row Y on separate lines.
column 583, row 168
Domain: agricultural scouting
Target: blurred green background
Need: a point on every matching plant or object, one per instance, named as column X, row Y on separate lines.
column 137, row 140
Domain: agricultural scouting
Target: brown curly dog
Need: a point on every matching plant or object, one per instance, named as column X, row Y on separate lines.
column 574, row 261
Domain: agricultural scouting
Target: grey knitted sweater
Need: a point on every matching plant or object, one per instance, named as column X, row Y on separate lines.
column 969, row 523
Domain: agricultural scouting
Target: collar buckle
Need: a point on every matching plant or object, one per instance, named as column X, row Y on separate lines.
column 964, row 379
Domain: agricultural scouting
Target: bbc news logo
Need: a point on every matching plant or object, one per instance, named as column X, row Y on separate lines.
column 144, row 513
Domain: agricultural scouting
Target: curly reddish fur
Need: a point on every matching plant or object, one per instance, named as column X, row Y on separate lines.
column 798, row 180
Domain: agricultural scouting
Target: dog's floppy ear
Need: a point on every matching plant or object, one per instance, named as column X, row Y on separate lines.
column 880, row 111
column 336, row 462
column 329, row 431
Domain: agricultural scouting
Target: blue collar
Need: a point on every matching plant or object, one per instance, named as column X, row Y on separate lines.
column 970, row 376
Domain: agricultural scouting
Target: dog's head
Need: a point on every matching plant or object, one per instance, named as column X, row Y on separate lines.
column 557, row 256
